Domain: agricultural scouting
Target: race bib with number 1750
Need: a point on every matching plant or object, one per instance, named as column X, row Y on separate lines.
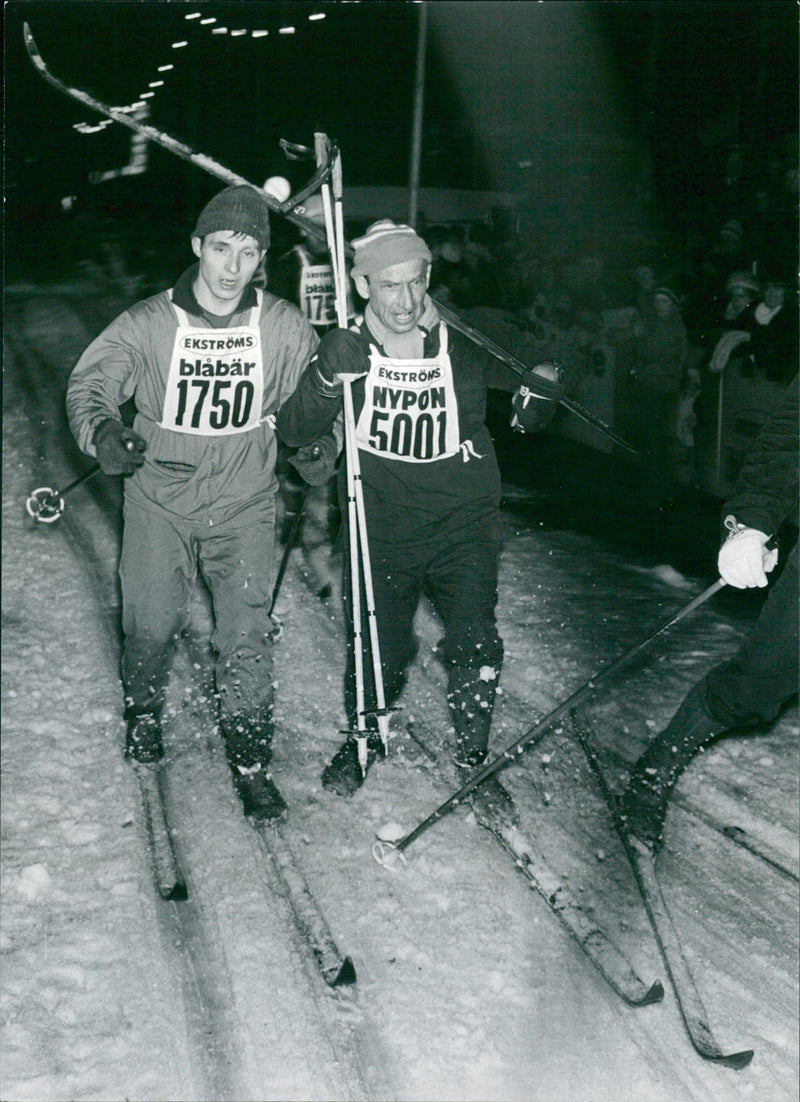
column 215, row 383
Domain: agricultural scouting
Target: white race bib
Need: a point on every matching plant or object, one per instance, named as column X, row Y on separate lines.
column 215, row 384
column 317, row 296
column 410, row 411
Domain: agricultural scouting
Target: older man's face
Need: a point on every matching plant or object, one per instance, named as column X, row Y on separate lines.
column 397, row 294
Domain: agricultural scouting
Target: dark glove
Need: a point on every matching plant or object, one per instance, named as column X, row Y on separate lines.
column 120, row 450
column 342, row 352
column 315, row 463
column 534, row 403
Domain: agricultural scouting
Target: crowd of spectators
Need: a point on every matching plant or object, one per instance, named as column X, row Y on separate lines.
column 666, row 314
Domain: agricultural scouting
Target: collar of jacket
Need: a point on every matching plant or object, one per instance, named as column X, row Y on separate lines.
column 183, row 295
column 397, row 346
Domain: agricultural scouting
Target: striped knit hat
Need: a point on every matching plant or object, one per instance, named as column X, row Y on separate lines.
column 239, row 209
column 385, row 244
column 746, row 280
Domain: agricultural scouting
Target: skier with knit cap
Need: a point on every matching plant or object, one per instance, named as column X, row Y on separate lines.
column 431, row 486
column 207, row 365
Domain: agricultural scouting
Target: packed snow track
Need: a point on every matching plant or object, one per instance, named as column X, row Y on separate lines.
column 469, row 986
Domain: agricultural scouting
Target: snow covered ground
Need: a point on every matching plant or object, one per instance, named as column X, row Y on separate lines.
column 468, row 986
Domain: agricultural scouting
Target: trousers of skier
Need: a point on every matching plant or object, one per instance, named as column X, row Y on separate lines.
column 752, row 687
column 431, row 484
column 207, row 365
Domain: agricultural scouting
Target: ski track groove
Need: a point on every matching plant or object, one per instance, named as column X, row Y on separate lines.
column 206, row 1063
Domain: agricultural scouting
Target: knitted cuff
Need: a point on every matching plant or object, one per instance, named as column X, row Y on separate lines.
column 323, row 387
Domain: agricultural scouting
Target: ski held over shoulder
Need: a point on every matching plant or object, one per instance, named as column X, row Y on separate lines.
column 173, row 145
column 293, row 210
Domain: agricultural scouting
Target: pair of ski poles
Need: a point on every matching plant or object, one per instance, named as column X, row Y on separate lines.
column 360, row 568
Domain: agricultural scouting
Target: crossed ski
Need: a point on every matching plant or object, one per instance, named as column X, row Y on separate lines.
column 642, row 860
column 612, row 964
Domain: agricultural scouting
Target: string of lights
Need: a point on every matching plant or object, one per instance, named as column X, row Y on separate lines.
column 140, row 106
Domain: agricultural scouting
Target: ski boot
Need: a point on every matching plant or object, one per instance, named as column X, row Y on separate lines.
column 143, row 741
column 470, row 698
column 248, row 744
column 492, row 803
column 343, row 774
column 259, row 794
column 643, row 805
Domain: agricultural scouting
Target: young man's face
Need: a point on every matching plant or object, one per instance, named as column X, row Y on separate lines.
column 228, row 262
column 397, row 294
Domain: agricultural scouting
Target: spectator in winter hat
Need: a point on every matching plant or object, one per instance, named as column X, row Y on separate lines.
column 772, row 349
column 206, row 364
column 431, row 487
column 742, row 289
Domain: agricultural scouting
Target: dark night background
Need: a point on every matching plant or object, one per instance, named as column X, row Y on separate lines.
column 579, row 108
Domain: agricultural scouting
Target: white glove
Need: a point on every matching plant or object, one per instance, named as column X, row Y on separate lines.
column 743, row 559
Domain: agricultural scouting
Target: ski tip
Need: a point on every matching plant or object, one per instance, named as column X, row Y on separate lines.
column 737, row 1059
column 654, row 995
column 30, row 42
column 346, row 976
column 178, row 893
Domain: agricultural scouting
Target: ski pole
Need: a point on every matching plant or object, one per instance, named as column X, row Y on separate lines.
column 381, row 712
column 352, row 472
column 47, row 505
column 294, row 531
column 334, row 219
column 385, row 852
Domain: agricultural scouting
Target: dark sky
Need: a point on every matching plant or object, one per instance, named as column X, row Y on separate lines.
column 518, row 95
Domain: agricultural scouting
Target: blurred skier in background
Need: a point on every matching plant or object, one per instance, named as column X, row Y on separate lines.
column 304, row 276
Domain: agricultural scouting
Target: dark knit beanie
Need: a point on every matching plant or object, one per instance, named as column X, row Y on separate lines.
column 239, row 209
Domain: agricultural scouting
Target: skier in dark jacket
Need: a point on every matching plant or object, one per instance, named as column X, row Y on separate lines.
column 207, row 365
column 751, row 687
column 431, row 483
